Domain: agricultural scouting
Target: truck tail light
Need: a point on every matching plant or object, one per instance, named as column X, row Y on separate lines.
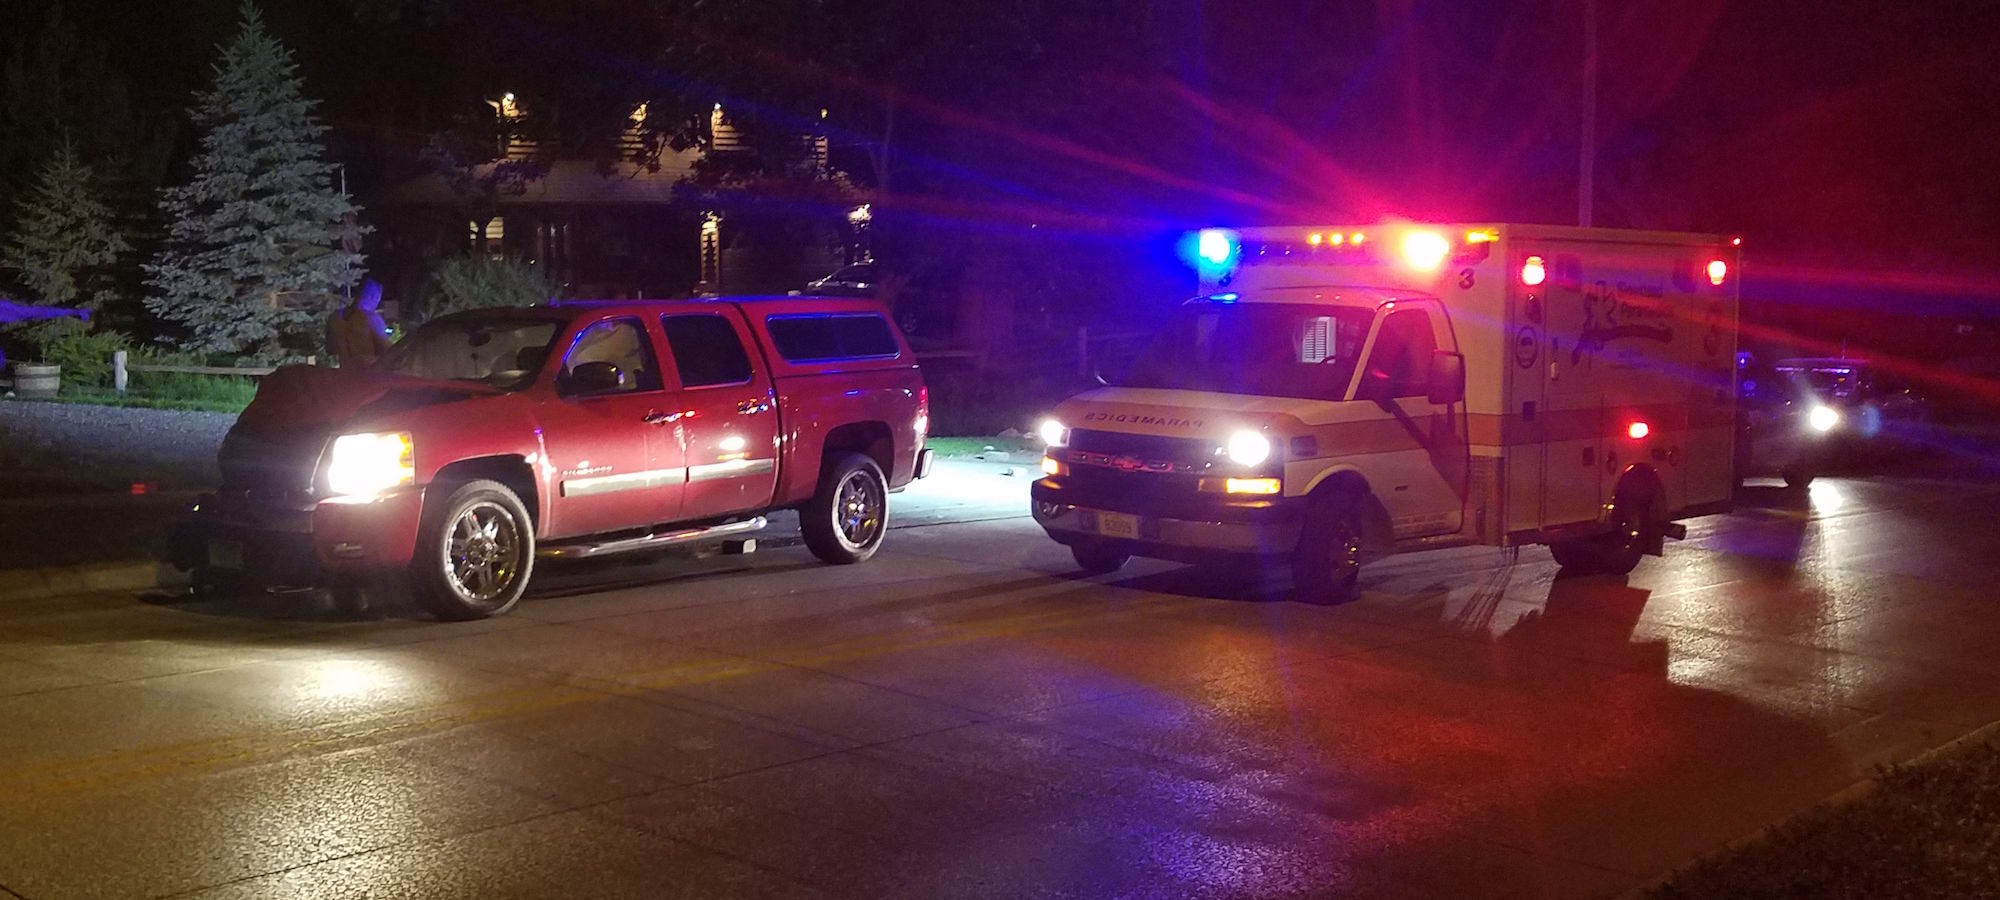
column 1638, row 431
column 1717, row 272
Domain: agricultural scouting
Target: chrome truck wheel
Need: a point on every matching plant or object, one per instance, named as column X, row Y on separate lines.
column 475, row 552
column 848, row 516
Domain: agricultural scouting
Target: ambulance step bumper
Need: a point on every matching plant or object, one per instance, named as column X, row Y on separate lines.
column 1187, row 540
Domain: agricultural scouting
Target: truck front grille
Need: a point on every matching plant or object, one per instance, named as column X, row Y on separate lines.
column 274, row 468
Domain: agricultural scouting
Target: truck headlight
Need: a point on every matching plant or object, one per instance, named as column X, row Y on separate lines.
column 370, row 463
column 1053, row 433
column 1248, row 448
column 1823, row 418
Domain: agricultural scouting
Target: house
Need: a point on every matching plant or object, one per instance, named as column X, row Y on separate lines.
column 608, row 228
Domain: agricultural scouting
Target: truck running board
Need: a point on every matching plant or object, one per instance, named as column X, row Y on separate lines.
column 589, row 549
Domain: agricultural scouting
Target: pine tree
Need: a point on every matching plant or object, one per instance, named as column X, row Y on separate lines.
column 66, row 241
column 253, row 260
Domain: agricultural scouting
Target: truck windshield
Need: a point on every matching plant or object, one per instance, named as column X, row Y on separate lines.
column 505, row 353
column 1268, row 349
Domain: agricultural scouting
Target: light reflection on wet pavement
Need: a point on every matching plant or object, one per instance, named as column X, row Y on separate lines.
column 966, row 717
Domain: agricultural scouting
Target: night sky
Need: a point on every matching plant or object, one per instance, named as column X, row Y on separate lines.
column 1851, row 144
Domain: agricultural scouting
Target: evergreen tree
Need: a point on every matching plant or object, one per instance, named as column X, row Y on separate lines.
column 254, row 258
column 66, row 242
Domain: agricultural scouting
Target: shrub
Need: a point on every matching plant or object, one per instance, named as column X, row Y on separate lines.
column 85, row 355
column 476, row 282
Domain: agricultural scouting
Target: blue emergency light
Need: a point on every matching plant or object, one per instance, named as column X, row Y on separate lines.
column 1215, row 246
column 1212, row 252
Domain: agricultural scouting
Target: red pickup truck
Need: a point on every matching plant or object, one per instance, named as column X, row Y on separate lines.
column 488, row 439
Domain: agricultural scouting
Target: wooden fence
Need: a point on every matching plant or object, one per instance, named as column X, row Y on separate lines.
column 121, row 369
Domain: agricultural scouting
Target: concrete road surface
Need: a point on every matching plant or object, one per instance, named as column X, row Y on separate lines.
column 966, row 717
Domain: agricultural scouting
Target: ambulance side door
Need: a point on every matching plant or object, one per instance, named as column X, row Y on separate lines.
column 1421, row 482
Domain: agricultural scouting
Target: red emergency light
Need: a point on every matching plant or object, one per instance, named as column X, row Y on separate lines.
column 1717, row 271
column 1533, row 273
column 1638, row 431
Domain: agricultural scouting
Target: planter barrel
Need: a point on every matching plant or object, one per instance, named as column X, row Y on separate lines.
column 36, row 382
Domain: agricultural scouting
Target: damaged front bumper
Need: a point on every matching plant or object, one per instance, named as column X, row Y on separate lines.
column 236, row 537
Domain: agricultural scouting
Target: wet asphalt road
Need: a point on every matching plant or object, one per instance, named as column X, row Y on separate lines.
column 966, row 717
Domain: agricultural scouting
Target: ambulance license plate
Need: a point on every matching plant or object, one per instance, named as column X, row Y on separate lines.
column 225, row 554
column 1117, row 525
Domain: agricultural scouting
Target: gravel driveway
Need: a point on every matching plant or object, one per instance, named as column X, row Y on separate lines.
column 57, row 449
column 66, row 477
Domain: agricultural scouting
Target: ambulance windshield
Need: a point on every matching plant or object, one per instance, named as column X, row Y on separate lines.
column 1268, row 349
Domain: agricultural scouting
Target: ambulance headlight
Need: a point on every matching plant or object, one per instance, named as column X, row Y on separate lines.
column 363, row 464
column 1823, row 418
column 1248, row 448
column 1053, row 433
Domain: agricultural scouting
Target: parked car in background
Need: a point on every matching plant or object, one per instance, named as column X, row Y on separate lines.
column 857, row 280
column 1876, row 406
column 489, row 439
column 1784, row 428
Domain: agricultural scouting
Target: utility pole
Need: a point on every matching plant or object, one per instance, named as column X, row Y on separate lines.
column 1587, row 152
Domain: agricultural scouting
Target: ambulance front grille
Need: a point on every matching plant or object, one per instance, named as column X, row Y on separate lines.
column 1182, row 453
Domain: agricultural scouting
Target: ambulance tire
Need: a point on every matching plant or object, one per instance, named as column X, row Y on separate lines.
column 1098, row 559
column 1797, row 478
column 1617, row 552
column 1326, row 567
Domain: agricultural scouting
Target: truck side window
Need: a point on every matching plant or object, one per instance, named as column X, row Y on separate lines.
column 1403, row 353
column 622, row 343
column 826, row 337
column 706, row 350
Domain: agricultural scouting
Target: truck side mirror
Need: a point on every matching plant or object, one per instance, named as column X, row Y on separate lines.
column 593, row 378
column 1446, row 384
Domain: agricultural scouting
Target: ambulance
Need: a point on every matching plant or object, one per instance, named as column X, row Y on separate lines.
column 1335, row 394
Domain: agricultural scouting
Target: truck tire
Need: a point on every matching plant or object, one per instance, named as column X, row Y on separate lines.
column 475, row 551
column 1326, row 567
column 848, row 515
column 1797, row 478
column 1097, row 558
column 1616, row 552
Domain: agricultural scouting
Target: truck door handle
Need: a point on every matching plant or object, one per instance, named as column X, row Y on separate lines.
column 753, row 407
column 655, row 417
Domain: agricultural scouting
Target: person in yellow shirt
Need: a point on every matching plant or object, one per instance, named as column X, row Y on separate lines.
column 356, row 334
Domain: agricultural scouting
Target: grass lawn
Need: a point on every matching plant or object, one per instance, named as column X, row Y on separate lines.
column 969, row 447
column 1926, row 830
column 227, row 395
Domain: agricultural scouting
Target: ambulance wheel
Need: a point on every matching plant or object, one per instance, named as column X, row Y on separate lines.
column 1797, row 478
column 475, row 551
column 1098, row 559
column 1616, row 552
column 848, row 516
column 1326, row 567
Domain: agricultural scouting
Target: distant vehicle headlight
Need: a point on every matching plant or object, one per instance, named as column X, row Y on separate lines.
column 1823, row 418
column 1248, row 448
column 1053, row 433
column 371, row 463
